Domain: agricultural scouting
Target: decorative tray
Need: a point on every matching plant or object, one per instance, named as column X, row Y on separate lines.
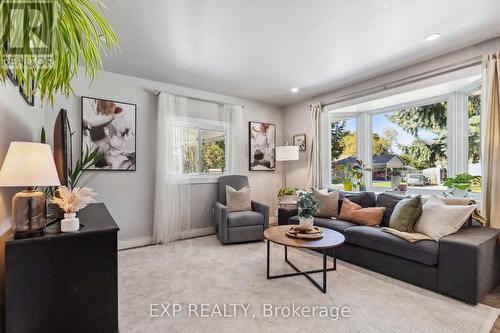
column 297, row 232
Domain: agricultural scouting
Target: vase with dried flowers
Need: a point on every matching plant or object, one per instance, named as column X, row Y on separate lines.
column 71, row 201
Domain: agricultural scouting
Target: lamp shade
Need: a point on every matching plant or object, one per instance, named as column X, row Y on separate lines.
column 29, row 164
column 287, row 153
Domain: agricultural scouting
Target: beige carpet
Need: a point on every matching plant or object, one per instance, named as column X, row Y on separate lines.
column 201, row 270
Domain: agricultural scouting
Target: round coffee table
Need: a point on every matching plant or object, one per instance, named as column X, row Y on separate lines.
column 330, row 240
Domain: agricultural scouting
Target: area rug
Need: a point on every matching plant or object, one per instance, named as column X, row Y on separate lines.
column 199, row 285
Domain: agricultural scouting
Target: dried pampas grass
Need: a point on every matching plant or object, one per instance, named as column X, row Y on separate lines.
column 71, row 201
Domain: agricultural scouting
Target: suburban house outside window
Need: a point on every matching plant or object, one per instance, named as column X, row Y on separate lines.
column 420, row 137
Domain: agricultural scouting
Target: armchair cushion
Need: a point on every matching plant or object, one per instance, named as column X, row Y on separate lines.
column 238, row 200
column 246, row 218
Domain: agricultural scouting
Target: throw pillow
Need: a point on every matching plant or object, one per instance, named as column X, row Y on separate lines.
column 406, row 214
column 353, row 212
column 329, row 203
column 439, row 219
column 238, row 201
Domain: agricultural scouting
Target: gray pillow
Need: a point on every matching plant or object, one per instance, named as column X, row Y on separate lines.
column 406, row 214
column 238, row 201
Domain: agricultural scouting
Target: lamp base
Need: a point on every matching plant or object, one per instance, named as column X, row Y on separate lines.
column 29, row 214
column 28, row 234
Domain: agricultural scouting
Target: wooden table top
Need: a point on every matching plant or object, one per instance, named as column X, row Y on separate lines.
column 331, row 238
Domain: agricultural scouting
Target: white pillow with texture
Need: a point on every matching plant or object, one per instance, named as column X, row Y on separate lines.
column 238, row 201
column 439, row 219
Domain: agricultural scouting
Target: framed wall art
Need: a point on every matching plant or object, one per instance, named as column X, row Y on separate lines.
column 262, row 146
column 111, row 127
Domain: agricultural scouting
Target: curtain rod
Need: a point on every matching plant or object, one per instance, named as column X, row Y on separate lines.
column 463, row 64
column 157, row 92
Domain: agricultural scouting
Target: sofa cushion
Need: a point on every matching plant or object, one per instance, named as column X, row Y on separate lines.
column 364, row 199
column 329, row 203
column 353, row 212
column 389, row 201
column 425, row 252
column 240, row 219
column 406, row 214
column 334, row 224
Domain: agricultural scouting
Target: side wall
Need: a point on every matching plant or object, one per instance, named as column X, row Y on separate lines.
column 18, row 122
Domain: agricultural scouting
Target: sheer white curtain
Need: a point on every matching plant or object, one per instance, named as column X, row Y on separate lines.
column 172, row 199
column 314, row 164
column 233, row 115
column 490, row 139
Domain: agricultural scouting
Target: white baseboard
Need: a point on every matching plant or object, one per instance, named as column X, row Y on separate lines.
column 144, row 241
column 134, row 242
column 196, row 232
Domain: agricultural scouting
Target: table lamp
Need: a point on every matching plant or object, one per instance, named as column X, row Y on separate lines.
column 29, row 165
column 287, row 153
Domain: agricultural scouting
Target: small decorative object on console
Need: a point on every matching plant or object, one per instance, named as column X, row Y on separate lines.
column 307, row 206
column 71, row 201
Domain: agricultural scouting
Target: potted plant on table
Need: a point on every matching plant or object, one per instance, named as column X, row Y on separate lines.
column 358, row 173
column 287, row 194
column 307, row 207
column 395, row 174
column 461, row 185
column 71, row 201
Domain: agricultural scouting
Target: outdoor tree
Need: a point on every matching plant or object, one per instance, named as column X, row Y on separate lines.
column 213, row 156
column 338, row 133
column 431, row 118
column 474, row 108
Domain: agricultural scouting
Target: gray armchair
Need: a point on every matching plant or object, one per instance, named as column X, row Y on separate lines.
column 236, row 227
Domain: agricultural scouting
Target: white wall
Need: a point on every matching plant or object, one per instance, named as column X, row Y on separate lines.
column 18, row 122
column 129, row 195
column 296, row 117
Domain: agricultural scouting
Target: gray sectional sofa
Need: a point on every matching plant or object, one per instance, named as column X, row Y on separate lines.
column 464, row 265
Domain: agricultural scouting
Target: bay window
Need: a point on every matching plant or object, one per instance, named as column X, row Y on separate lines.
column 420, row 137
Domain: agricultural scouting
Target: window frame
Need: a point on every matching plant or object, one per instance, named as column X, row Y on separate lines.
column 457, row 127
column 209, row 125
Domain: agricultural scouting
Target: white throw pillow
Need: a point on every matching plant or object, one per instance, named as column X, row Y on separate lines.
column 439, row 219
column 238, row 201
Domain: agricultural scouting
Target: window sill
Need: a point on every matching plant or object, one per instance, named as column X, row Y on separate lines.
column 204, row 179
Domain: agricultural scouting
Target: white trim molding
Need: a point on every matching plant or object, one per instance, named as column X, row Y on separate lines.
column 134, row 242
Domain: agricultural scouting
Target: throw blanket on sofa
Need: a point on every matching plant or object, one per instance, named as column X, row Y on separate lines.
column 415, row 236
column 411, row 237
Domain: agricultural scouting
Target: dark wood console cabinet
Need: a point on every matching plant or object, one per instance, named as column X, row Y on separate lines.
column 64, row 282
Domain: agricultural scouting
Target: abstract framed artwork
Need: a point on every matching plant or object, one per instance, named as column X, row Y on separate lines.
column 262, row 146
column 300, row 141
column 110, row 126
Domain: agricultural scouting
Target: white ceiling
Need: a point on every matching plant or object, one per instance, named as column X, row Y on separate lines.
column 259, row 49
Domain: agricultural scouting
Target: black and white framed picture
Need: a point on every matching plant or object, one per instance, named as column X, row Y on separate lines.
column 111, row 127
column 300, row 141
column 262, row 146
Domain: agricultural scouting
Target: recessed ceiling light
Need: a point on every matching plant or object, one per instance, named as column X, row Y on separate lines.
column 432, row 37
column 294, row 90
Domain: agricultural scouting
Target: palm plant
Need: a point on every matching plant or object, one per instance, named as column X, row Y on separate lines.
column 78, row 33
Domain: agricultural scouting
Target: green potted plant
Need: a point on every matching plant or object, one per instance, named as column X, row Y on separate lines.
column 287, row 194
column 358, row 173
column 345, row 170
column 460, row 185
column 395, row 174
column 307, row 207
